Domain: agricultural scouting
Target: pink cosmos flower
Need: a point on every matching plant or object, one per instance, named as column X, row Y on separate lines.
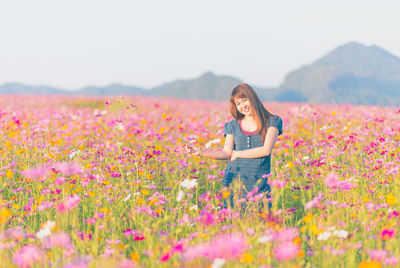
column 315, row 201
column 45, row 205
column 225, row 246
column 36, row 173
column 332, row 181
column 206, row 217
column 69, row 203
column 286, row 251
column 79, row 262
column 60, row 239
column 16, row 233
column 277, row 183
column 60, row 180
column 68, row 168
column 391, row 261
column 378, row 254
column 287, row 234
column 27, row 256
column 126, row 263
column 7, row 245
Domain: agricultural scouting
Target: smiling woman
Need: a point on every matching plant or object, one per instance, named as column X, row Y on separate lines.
column 250, row 138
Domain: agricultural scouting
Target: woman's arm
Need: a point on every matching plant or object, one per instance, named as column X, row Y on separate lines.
column 225, row 154
column 266, row 149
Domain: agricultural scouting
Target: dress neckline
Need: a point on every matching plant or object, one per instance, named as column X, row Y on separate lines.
column 248, row 133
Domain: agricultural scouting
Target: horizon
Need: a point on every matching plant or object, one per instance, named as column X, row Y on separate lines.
column 146, row 44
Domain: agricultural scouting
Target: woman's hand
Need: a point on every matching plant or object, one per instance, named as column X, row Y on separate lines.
column 192, row 149
column 234, row 155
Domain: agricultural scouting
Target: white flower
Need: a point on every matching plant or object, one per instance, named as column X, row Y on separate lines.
column 49, row 224
column 324, row 236
column 73, row 154
column 265, row 239
column 194, row 207
column 210, row 143
column 188, row 184
column 325, row 127
column 43, row 233
column 120, row 126
column 217, row 263
column 96, row 112
column 46, row 230
column 127, row 198
column 341, row 233
column 306, row 157
column 180, row 196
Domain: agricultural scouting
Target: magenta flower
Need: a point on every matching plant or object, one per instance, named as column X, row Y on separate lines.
column 387, row 234
column 27, row 256
column 165, row 257
column 206, row 217
column 129, row 232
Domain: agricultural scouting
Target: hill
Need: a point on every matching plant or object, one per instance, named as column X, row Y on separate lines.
column 113, row 89
column 352, row 73
column 22, row 89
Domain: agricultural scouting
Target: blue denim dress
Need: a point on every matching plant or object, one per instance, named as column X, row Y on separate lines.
column 249, row 170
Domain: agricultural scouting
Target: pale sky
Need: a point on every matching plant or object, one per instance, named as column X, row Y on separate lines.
column 71, row 44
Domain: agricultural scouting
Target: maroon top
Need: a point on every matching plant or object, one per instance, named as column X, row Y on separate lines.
column 246, row 132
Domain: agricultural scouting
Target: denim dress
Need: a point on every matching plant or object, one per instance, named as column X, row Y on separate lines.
column 249, row 171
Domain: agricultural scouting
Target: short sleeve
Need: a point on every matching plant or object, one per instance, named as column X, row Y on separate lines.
column 276, row 121
column 228, row 128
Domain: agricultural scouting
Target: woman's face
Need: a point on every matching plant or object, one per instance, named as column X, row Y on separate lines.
column 243, row 105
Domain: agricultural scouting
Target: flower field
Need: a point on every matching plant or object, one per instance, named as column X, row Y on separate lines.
column 95, row 182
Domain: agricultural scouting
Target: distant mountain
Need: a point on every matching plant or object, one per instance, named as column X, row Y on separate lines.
column 113, row 89
column 352, row 73
column 21, row 89
column 206, row 87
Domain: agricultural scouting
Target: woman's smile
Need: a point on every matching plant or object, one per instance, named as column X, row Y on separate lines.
column 243, row 106
column 245, row 110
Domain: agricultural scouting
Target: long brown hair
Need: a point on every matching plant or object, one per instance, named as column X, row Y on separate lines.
column 260, row 114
